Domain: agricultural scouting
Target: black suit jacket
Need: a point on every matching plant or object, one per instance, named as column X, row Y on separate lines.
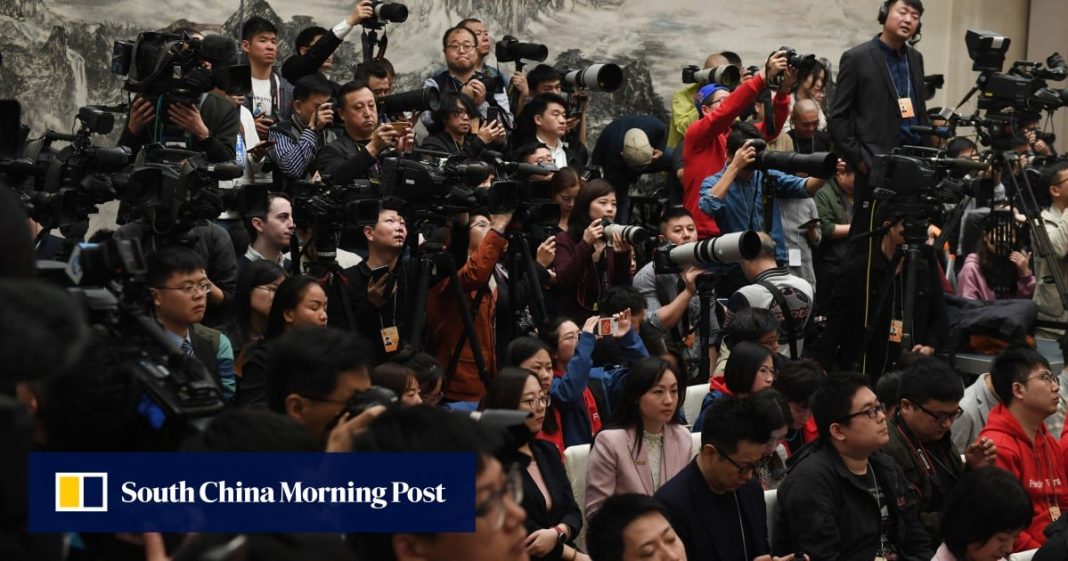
column 565, row 509
column 701, row 525
column 865, row 119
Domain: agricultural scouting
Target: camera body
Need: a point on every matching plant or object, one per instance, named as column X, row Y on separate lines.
column 510, row 49
column 385, row 12
column 816, row 164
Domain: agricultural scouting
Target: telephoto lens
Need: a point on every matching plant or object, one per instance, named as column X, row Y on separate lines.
column 629, row 234
column 728, row 248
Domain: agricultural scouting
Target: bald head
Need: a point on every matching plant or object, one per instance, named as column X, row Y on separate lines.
column 716, row 60
column 805, row 118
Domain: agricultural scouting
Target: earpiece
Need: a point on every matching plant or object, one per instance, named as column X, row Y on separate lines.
column 884, row 11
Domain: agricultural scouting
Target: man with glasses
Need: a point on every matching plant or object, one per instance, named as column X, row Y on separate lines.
column 179, row 285
column 1029, row 394
column 715, row 502
column 1046, row 297
column 844, row 499
column 920, row 439
column 460, row 46
column 499, row 533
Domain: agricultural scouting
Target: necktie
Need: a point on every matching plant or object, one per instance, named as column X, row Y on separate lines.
column 187, row 347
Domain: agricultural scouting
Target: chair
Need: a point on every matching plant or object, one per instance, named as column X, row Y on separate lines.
column 691, row 408
column 770, row 498
column 1023, row 555
column 575, row 460
column 696, row 436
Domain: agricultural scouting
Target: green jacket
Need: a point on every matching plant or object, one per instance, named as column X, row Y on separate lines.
column 905, row 455
column 831, row 207
column 683, row 114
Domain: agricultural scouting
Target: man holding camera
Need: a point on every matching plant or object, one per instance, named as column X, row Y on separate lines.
column 1046, row 298
column 352, row 156
column 271, row 98
column 315, row 46
column 629, row 147
column 706, row 139
column 298, row 140
column 462, row 74
column 880, row 94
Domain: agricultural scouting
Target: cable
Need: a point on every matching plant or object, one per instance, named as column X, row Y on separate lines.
column 867, row 284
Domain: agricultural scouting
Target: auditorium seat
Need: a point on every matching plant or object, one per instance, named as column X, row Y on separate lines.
column 691, row 408
column 575, row 460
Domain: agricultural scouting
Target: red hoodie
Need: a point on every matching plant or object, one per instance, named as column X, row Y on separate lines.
column 1038, row 465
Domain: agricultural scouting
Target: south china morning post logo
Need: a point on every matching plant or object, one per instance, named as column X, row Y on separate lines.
column 252, row 492
column 81, row 492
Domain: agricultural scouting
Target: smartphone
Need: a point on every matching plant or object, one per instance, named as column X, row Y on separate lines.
column 722, row 302
column 377, row 274
column 607, row 326
column 809, row 223
column 402, row 127
column 262, row 147
column 494, row 114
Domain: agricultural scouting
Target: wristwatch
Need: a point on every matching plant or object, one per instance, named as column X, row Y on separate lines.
column 561, row 536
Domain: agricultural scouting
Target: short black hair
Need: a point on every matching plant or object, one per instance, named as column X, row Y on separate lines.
column 375, row 68
column 743, row 365
column 798, row 379
column 542, row 73
column 888, row 387
column 673, row 213
column 914, row 4
column 750, row 324
column 312, row 84
column 985, row 501
column 929, row 379
column 426, row 367
column 1013, row 365
column 619, row 298
column 1050, row 172
column 957, row 145
column 307, row 35
column 256, row 25
column 540, row 103
column 347, row 88
column 308, row 360
column 522, row 348
column 506, row 388
column 251, row 430
column 451, row 30
column 524, row 151
column 604, row 538
column 169, row 260
column 833, row 401
column 730, row 420
column 741, row 132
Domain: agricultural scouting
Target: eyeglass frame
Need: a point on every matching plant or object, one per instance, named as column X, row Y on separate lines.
column 872, row 412
column 1048, row 377
column 455, row 47
column 742, row 470
column 190, row 289
column 545, row 400
column 513, row 486
column 941, row 418
column 268, row 289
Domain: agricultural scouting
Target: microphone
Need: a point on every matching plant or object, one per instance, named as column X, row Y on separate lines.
column 942, row 132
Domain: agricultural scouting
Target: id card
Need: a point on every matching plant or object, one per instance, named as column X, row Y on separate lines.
column 897, row 329
column 795, row 257
column 1054, row 512
column 390, row 339
column 905, row 105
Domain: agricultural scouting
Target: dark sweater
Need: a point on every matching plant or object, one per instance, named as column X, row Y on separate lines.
column 223, row 120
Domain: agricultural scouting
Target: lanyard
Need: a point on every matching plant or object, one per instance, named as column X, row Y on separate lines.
column 908, row 76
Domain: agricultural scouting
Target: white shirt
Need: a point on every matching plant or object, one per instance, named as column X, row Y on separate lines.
column 261, row 96
column 559, row 156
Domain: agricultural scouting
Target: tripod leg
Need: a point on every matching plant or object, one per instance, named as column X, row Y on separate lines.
column 415, row 338
column 541, row 314
column 907, row 336
column 469, row 322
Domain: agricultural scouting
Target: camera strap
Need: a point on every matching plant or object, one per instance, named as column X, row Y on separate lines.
column 787, row 316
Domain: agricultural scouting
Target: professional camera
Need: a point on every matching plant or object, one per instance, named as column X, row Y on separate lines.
column 386, row 12
column 630, row 234
column 729, row 76
column 509, row 49
column 1024, row 86
column 425, row 99
column 601, row 77
column 800, row 62
column 728, row 248
column 172, row 66
column 816, row 164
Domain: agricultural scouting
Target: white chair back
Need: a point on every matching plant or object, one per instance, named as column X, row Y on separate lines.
column 691, row 408
column 1023, row 555
column 770, row 498
column 575, row 460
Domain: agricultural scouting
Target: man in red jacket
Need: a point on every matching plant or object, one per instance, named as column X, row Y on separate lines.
column 705, row 145
column 1028, row 392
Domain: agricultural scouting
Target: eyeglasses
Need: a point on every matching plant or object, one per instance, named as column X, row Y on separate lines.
column 459, row 113
column 544, row 400
column 769, row 372
column 460, row 47
column 942, row 418
column 270, row 290
column 743, row 469
column 494, row 506
column 432, row 399
column 190, row 289
column 1046, row 376
column 872, row 412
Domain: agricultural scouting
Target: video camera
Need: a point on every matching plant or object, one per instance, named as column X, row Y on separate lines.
column 816, row 164
column 728, row 248
column 729, row 76
column 1024, row 86
column 425, row 99
column 171, row 66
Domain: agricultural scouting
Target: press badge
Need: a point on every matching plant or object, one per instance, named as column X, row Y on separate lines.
column 794, row 257
column 905, row 105
column 1054, row 512
column 897, row 328
column 390, row 339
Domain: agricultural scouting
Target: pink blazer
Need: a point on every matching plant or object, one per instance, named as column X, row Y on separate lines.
column 613, row 469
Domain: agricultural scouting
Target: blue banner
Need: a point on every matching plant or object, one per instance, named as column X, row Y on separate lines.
column 252, row 492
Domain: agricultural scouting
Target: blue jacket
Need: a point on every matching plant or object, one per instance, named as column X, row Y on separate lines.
column 566, row 391
column 743, row 207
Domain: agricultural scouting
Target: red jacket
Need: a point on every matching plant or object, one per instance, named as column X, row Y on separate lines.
column 444, row 326
column 705, row 145
column 1039, row 466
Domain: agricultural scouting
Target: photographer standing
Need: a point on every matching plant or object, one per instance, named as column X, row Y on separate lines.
column 880, row 94
column 271, row 98
column 629, row 147
column 462, row 60
column 298, row 140
column 706, row 139
column 315, row 46
column 353, row 155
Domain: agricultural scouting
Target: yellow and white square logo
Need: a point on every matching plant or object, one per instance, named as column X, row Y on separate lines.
column 81, row 492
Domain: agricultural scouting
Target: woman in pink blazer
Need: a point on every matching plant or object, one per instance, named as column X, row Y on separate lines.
column 644, row 445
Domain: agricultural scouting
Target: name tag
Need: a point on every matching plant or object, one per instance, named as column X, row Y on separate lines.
column 905, row 105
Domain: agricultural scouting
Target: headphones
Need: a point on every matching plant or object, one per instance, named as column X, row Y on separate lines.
column 884, row 12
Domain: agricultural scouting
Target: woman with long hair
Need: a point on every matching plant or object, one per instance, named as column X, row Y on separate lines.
column 750, row 369
column 644, row 444
column 400, row 380
column 566, row 184
column 998, row 268
column 252, row 303
column 298, row 302
column 553, row 516
column 587, row 262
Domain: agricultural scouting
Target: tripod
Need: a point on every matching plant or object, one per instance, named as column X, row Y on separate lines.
column 706, row 291
column 328, row 272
